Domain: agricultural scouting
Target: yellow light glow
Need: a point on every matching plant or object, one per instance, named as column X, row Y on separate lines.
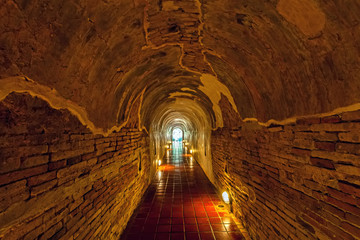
column 167, row 146
column 159, row 162
column 159, row 174
column 225, row 197
column 191, row 151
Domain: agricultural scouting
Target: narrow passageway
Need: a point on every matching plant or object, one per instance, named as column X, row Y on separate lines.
column 181, row 203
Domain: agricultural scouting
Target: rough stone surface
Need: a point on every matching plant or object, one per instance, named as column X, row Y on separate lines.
column 271, row 55
column 86, row 187
column 88, row 88
column 293, row 182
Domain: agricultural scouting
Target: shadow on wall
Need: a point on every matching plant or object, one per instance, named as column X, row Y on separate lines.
column 57, row 179
column 298, row 180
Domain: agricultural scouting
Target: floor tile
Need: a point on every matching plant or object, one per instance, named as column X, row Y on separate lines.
column 181, row 203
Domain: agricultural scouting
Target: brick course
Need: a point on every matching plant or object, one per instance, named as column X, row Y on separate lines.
column 304, row 177
column 67, row 183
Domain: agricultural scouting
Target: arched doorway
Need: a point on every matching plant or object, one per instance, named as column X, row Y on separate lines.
column 177, row 135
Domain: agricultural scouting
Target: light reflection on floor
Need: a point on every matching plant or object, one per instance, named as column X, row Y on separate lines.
column 181, row 203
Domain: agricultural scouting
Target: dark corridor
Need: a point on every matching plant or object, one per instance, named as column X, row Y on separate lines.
column 181, row 203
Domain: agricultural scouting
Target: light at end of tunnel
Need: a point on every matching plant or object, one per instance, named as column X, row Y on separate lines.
column 225, row 197
column 159, row 162
column 191, row 151
column 191, row 158
column 167, row 146
column 159, row 174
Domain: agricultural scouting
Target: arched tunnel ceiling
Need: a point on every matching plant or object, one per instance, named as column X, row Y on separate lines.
column 272, row 59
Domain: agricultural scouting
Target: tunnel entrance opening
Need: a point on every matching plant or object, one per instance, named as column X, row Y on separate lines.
column 177, row 135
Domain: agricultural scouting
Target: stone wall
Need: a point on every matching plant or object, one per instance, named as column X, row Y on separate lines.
column 295, row 181
column 59, row 181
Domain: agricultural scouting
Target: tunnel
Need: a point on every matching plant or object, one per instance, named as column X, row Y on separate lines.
column 245, row 115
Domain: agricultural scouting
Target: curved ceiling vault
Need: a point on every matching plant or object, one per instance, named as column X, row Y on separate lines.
column 272, row 59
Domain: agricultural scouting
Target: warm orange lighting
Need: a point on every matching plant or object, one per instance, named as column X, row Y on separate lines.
column 225, row 197
column 166, row 167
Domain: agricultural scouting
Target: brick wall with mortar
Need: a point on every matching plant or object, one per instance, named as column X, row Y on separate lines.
column 294, row 181
column 59, row 181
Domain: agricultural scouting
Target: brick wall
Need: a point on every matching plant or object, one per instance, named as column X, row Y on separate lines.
column 295, row 181
column 59, row 181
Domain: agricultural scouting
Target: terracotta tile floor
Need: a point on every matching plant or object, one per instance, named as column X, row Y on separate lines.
column 181, row 203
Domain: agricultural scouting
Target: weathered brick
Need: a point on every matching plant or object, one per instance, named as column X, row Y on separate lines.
column 308, row 121
column 326, row 146
column 301, row 152
column 9, row 164
column 12, row 193
column 345, row 206
column 331, row 119
column 351, row 116
column 341, row 196
column 350, row 137
column 348, row 170
column 348, row 148
column 14, row 176
column 351, row 229
column 73, row 160
column 57, row 165
column 43, row 187
column 337, row 127
column 323, row 163
column 34, row 161
column 51, row 232
column 349, row 188
column 33, row 181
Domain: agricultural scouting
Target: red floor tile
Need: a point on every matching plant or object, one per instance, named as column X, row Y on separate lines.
column 191, row 228
column 177, row 236
column 181, row 204
column 162, row 236
column 163, row 228
column 236, row 236
column 222, row 236
column 202, row 220
column 218, row 227
column 147, row 236
column 215, row 220
column 177, row 228
column 190, row 220
column 192, row 236
column 164, row 221
column 231, row 227
column 204, row 228
column 206, row 236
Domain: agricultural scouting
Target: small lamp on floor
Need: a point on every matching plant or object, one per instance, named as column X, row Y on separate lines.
column 227, row 199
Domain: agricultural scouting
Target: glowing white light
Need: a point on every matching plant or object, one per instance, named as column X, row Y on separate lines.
column 225, row 197
column 191, row 151
column 191, row 159
column 159, row 174
column 159, row 162
column 177, row 134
